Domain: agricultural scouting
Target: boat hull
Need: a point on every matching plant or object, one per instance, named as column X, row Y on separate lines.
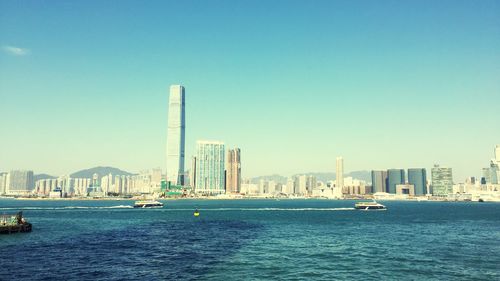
column 149, row 206
column 9, row 229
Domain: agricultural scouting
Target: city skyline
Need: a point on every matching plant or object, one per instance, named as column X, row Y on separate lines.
column 100, row 99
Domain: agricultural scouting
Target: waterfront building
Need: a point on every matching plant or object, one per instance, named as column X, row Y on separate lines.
column 3, row 183
column 442, row 181
column 354, row 186
column 405, row 189
column 249, row 189
column 176, row 135
column 233, row 172
column 394, row 177
column 379, row 181
column 210, row 167
column 418, row 178
column 340, row 172
column 20, row 182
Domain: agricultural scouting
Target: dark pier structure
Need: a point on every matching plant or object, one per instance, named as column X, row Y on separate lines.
column 14, row 223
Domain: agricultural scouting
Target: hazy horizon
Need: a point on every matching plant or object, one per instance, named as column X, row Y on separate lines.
column 384, row 84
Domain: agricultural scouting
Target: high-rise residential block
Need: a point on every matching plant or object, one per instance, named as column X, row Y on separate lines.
column 210, row 167
column 233, row 171
column 442, row 181
column 418, row 177
column 379, row 181
column 340, row 172
column 20, row 182
column 176, row 135
column 394, row 177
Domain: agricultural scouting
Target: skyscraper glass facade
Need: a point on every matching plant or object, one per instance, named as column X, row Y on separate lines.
column 379, row 181
column 394, row 177
column 176, row 135
column 418, row 177
column 210, row 174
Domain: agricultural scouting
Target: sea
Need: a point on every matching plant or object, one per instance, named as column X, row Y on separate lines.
column 252, row 240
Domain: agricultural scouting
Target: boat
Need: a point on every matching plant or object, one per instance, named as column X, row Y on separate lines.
column 148, row 204
column 196, row 213
column 14, row 223
column 365, row 206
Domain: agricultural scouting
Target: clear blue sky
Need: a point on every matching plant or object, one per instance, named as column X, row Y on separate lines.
column 385, row 84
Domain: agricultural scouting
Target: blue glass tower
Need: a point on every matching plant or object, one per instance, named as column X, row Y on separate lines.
column 418, row 177
column 394, row 177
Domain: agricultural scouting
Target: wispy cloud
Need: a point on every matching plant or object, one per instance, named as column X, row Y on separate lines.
column 16, row 51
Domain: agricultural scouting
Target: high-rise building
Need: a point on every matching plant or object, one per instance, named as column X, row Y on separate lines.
column 210, row 167
column 418, row 177
column 233, row 172
column 494, row 172
column 192, row 174
column 379, row 181
column 290, row 186
column 311, row 184
column 442, row 181
column 302, row 185
column 176, row 135
column 20, row 182
column 3, row 183
column 340, row 172
column 394, row 177
column 497, row 153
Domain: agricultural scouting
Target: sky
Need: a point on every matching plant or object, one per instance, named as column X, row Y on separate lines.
column 294, row 84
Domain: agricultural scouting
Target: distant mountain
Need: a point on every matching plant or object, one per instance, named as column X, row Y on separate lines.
column 324, row 177
column 42, row 177
column 361, row 175
column 101, row 171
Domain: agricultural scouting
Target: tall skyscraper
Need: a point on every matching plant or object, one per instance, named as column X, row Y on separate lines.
column 340, row 172
column 176, row 135
column 418, row 177
column 210, row 167
column 442, row 181
column 394, row 177
column 233, row 172
column 379, row 181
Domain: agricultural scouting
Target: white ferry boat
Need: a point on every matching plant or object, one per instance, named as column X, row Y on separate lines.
column 148, row 204
column 365, row 206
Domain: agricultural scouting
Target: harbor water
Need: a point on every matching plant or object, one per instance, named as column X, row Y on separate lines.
column 252, row 240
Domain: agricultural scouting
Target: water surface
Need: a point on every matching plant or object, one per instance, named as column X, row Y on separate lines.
column 253, row 240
